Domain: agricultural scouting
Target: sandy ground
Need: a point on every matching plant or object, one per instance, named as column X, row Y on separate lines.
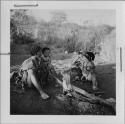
column 30, row 102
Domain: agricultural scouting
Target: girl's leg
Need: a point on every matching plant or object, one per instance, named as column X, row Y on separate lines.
column 94, row 82
column 37, row 85
column 67, row 87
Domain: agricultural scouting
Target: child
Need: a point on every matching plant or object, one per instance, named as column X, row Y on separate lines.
column 88, row 70
column 29, row 71
column 46, row 59
column 45, row 65
column 84, row 61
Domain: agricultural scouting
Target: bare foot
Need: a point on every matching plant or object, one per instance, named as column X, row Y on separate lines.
column 44, row 96
column 95, row 88
column 69, row 94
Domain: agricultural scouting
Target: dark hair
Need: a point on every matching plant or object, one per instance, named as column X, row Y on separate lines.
column 79, row 52
column 90, row 56
column 35, row 49
column 44, row 49
column 87, row 56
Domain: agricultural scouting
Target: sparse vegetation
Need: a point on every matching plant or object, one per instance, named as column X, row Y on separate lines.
column 60, row 34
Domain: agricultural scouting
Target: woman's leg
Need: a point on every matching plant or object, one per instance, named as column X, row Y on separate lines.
column 36, row 84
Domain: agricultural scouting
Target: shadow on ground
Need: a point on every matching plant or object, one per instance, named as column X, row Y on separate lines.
column 106, row 76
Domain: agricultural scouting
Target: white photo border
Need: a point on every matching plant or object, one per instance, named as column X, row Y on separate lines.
column 5, row 65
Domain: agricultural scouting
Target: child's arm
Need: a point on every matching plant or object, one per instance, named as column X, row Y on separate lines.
column 90, row 67
column 93, row 65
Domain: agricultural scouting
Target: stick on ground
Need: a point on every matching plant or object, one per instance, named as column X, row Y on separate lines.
column 93, row 98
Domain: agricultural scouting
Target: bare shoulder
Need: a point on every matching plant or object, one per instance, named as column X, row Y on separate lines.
column 28, row 63
column 27, row 60
column 33, row 57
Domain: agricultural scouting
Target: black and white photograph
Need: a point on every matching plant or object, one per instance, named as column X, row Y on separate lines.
column 63, row 62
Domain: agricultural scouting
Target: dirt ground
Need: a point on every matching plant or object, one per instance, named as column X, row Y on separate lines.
column 29, row 101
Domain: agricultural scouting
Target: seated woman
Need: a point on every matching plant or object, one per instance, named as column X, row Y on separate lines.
column 29, row 70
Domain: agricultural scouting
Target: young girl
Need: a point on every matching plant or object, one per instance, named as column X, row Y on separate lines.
column 88, row 70
column 29, row 70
